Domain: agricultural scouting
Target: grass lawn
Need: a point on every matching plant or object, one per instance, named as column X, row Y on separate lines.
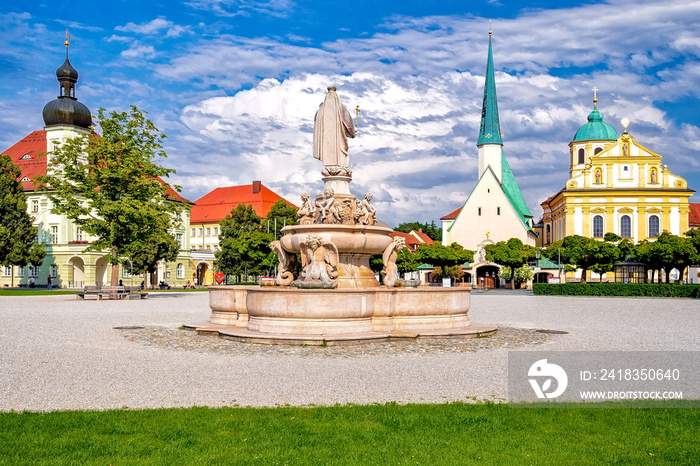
column 364, row 435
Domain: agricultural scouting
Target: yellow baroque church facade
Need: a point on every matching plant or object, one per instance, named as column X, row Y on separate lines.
column 615, row 185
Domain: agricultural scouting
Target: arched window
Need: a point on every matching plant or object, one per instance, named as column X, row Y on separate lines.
column 581, row 156
column 653, row 226
column 549, row 234
column 598, row 226
column 597, row 150
column 626, row 226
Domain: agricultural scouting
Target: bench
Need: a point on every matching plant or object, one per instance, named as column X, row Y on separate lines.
column 90, row 292
column 112, row 292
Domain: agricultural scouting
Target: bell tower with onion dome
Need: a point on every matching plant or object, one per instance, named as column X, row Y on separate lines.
column 65, row 117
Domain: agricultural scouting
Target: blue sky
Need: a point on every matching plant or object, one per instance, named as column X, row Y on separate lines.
column 234, row 84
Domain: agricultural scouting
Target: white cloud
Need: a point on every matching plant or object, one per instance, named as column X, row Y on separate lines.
column 155, row 27
column 278, row 8
column 139, row 51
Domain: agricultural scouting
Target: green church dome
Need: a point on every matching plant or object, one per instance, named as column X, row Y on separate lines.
column 596, row 129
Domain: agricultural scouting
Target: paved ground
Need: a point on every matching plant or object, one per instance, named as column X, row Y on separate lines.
column 58, row 353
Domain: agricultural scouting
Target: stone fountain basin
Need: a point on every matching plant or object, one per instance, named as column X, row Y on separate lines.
column 349, row 239
column 323, row 313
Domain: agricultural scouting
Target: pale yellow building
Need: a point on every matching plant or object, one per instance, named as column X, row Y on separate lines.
column 615, row 185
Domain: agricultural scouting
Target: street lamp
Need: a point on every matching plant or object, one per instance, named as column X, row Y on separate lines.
column 538, row 253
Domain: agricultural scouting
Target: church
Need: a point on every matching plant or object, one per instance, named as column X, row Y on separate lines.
column 615, row 185
column 66, row 260
column 495, row 209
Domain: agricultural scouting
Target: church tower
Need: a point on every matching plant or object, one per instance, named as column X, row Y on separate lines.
column 490, row 143
column 65, row 117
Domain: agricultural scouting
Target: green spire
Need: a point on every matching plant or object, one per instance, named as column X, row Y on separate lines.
column 490, row 131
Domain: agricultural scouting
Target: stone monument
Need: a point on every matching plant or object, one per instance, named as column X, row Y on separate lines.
column 336, row 297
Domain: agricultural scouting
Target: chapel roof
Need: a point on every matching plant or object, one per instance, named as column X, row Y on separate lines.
column 217, row 204
column 490, row 128
column 596, row 129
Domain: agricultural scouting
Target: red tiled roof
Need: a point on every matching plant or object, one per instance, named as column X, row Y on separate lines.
column 35, row 144
column 694, row 215
column 425, row 238
column 414, row 238
column 216, row 205
column 32, row 145
column 452, row 215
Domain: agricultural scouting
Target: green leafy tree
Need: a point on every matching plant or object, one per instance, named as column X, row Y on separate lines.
column 438, row 255
column 245, row 247
column 110, row 185
column 649, row 253
column 280, row 214
column 676, row 253
column 523, row 273
column 407, row 261
column 18, row 245
column 512, row 253
column 430, row 229
column 611, row 250
column 576, row 251
column 151, row 247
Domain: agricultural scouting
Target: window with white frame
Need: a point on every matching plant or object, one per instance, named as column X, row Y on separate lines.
column 193, row 232
column 35, row 206
column 79, row 234
column 626, row 226
column 216, row 231
column 598, row 226
column 33, row 271
column 653, row 226
column 178, row 238
column 216, row 248
column 208, row 231
column 54, row 270
column 53, row 239
column 180, row 271
column 20, row 271
column 7, row 271
column 199, row 231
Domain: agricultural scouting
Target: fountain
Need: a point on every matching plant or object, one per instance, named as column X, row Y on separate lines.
column 336, row 298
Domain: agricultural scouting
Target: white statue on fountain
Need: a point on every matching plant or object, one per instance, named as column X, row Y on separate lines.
column 332, row 127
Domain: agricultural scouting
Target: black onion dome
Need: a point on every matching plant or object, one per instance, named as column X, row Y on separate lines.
column 66, row 71
column 67, row 111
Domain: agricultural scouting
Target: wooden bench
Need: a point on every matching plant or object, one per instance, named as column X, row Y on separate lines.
column 112, row 292
column 90, row 292
column 135, row 292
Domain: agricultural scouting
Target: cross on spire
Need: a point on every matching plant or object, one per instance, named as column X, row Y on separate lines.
column 595, row 94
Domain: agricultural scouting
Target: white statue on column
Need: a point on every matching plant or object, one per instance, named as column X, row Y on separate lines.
column 332, row 127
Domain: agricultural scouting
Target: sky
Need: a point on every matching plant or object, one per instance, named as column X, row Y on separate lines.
column 235, row 85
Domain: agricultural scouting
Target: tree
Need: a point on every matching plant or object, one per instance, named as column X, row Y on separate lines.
column 280, row 214
column 110, row 185
column 512, row 253
column 432, row 230
column 577, row 251
column 438, row 255
column 245, row 247
column 18, row 245
column 611, row 250
column 675, row 252
column 406, row 261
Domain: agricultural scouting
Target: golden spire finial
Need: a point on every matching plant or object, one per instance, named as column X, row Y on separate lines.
column 490, row 26
column 68, row 36
column 595, row 95
column 357, row 115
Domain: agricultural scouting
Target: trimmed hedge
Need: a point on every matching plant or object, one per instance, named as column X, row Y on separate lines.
column 617, row 289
